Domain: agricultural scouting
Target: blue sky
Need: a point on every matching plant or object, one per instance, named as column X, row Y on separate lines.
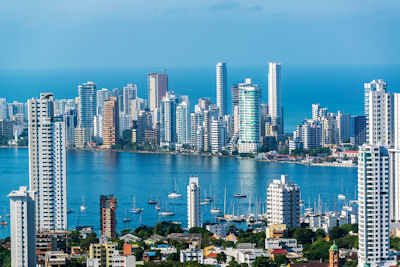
column 131, row 33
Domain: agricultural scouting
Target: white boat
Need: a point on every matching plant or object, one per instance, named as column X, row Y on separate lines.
column 83, row 207
column 341, row 196
column 214, row 209
column 134, row 209
column 175, row 194
column 158, row 207
column 126, row 219
column 166, row 213
column 204, row 203
column 241, row 194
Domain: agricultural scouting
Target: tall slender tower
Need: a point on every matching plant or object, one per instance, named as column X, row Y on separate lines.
column 274, row 97
column 23, row 232
column 168, row 119
column 110, row 123
column 183, row 123
column 47, row 163
column 158, row 87
column 129, row 94
column 86, row 112
column 249, row 117
column 193, row 203
column 221, row 87
column 108, row 220
column 373, row 205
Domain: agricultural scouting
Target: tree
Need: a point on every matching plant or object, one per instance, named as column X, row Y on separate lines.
column 280, row 259
column 173, row 257
column 138, row 252
column 221, row 257
column 261, row 262
column 233, row 263
column 91, row 238
column 303, row 235
column 126, row 231
column 75, row 238
column 318, row 250
column 200, row 230
column 337, row 232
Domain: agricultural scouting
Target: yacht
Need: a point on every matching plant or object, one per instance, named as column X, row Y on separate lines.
column 126, row 219
column 134, row 209
column 83, row 207
column 175, row 194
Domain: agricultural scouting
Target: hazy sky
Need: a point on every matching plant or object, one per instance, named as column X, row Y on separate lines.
column 133, row 33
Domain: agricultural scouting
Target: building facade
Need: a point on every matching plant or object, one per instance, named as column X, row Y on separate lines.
column 274, row 96
column 158, row 87
column 221, row 77
column 108, row 220
column 193, row 203
column 47, row 163
column 111, row 122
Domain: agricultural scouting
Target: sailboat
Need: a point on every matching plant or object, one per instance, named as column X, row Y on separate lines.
column 208, row 199
column 175, row 193
column 3, row 222
column 126, row 219
column 83, row 207
column 214, row 210
column 134, row 209
column 152, row 201
column 241, row 194
column 166, row 213
column 223, row 218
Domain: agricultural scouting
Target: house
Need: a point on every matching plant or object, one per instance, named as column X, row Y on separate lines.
column 245, row 253
column 151, row 256
column 275, row 231
column 153, row 239
column 194, row 239
column 192, row 254
column 165, row 250
column 129, row 238
column 278, row 251
column 231, row 237
column 287, row 244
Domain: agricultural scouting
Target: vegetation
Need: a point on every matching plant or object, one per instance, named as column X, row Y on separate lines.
column 250, row 237
column 5, row 254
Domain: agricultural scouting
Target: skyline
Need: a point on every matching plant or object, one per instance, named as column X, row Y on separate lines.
column 122, row 33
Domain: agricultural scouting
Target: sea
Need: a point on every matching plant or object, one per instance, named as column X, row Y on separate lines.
column 152, row 176
column 146, row 176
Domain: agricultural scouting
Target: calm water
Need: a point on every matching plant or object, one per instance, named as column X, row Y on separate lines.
column 151, row 175
column 336, row 87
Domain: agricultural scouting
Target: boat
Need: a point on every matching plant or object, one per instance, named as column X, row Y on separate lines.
column 241, row 194
column 175, row 193
column 341, row 196
column 134, row 209
column 208, row 199
column 3, row 223
column 166, row 213
column 204, row 203
column 152, row 202
column 214, row 210
column 83, row 207
column 70, row 211
column 158, row 207
column 126, row 219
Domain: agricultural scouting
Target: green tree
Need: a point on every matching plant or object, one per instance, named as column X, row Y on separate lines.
column 261, row 262
column 75, row 238
column 280, row 259
column 221, row 257
column 138, row 252
column 337, row 232
column 173, row 257
column 318, row 250
column 126, row 231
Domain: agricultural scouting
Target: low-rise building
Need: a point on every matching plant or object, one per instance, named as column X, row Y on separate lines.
column 151, row 256
column 103, row 252
column 288, row 244
column 165, row 250
column 56, row 258
column 192, row 254
column 194, row 239
column 129, row 238
column 217, row 228
column 123, row 261
column 245, row 253
column 275, row 231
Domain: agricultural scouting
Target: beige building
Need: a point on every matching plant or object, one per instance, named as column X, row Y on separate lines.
column 103, row 252
column 110, row 123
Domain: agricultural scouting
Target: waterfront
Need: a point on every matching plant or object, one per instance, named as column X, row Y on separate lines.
column 143, row 175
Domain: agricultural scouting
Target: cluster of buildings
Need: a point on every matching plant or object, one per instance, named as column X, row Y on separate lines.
column 326, row 129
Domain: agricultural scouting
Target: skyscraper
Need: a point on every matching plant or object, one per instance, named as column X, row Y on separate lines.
column 47, row 163
column 158, row 87
column 168, row 119
column 110, row 123
column 87, row 111
column 249, row 117
column 358, row 130
column 274, row 97
column 193, row 203
column 221, row 74
column 344, row 125
column 101, row 96
column 129, row 94
column 108, row 220
column 183, row 123
column 373, row 205
column 283, row 203
column 218, row 135
column 22, row 232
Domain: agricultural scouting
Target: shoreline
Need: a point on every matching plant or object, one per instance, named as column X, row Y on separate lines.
column 323, row 164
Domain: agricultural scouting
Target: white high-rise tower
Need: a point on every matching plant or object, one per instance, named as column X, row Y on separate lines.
column 373, row 203
column 22, row 232
column 47, row 163
column 274, row 97
column 221, row 87
column 193, row 203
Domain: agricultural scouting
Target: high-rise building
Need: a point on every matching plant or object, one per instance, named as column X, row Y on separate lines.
column 193, row 203
column 86, row 112
column 204, row 103
column 71, row 122
column 168, row 119
column 283, row 203
column 98, row 128
column 221, row 75
column 358, row 130
column 379, row 112
column 47, row 164
column 108, row 220
column 137, row 105
column 274, row 96
column 129, row 94
column 373, row 205
column 344, row 126
column 183, row 123
column 158, row 87
column 110, row 123
column 249, row 117
column 23, row 231
column 101, row 96
column 235, row 96
column 218, row 135
column 311, row 134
